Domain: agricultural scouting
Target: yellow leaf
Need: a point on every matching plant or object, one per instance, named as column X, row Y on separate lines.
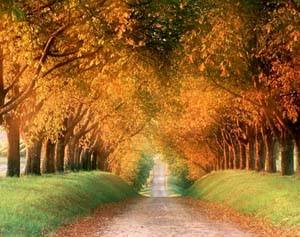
column 202, row 67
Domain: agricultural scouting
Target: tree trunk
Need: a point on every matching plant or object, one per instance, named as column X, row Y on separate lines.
column 274, row 155
column 221, row 159
column 269, row 153
column 102, row 160
column 297, row 157
column 71, row 147
column 242, row 155
column 219, row 163
column 225, row 151
column 248, row 155
column 287, row 156
column 252, row 155
column 49, row 157
column 257, row 163
column 269, row 145
column 230, row 156
column 13, row 153
column 235, row 154
column 226, row 156
column 89, row 159
column 94, row 160
column 85, row 159
column 33, row 157
column 215, row 164
column 78, row 154
column 29, row 157
column 2, row 89
column 262, row 154
column 60, row 154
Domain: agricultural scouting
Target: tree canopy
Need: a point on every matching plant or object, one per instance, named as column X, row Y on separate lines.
column 106, row 84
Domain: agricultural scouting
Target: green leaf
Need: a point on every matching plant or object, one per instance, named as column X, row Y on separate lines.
column 17, row 13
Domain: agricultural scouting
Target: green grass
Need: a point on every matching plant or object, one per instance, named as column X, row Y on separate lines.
column 269, row 196
column 146, row 191
column 173, row 187
column 147, row 187
column 35, row 206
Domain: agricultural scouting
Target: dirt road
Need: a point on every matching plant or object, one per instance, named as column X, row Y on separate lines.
column 153, row 217
column 159, row 180
column 166, row 217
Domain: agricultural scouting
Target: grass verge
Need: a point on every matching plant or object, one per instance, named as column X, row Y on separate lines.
column 174, row 188
column 35, row 206
column 269, row 196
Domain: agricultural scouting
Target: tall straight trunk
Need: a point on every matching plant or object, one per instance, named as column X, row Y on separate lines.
column 221, row 159
column 49, row 157
column 225, row 151
column 257, row 162
column 71, row 147
column 274, row 155
column 269, row 144
column 279, row 147
column 230, row 157
column 102, row 160
column 242, row 155
column 89, row 159
column 94, row 160
column 226, row 156
column 85, row 159
column 287, row 156
column 70, row 156
column 217, row 163
column 252, row 155
column 29, row 156
column 77, row 158
column 33, row 157
column 13, row 153
column 2, row 89
column 257, row 156
column 248, row 156
column 213, row 164
column 235, row 156
column 60, row 154
column 262, row 154
column 297, row 156
column 269, row 153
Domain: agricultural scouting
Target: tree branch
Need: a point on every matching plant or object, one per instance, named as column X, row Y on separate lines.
column 235, row 94
column 14, row 102
column 61, row 64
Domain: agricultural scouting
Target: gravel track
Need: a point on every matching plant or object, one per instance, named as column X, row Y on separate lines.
column 152, row 217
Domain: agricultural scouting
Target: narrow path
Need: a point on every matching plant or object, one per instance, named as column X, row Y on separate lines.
column 162, row 216
column 159, row 180
column 166, row 217
column 153, row 217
